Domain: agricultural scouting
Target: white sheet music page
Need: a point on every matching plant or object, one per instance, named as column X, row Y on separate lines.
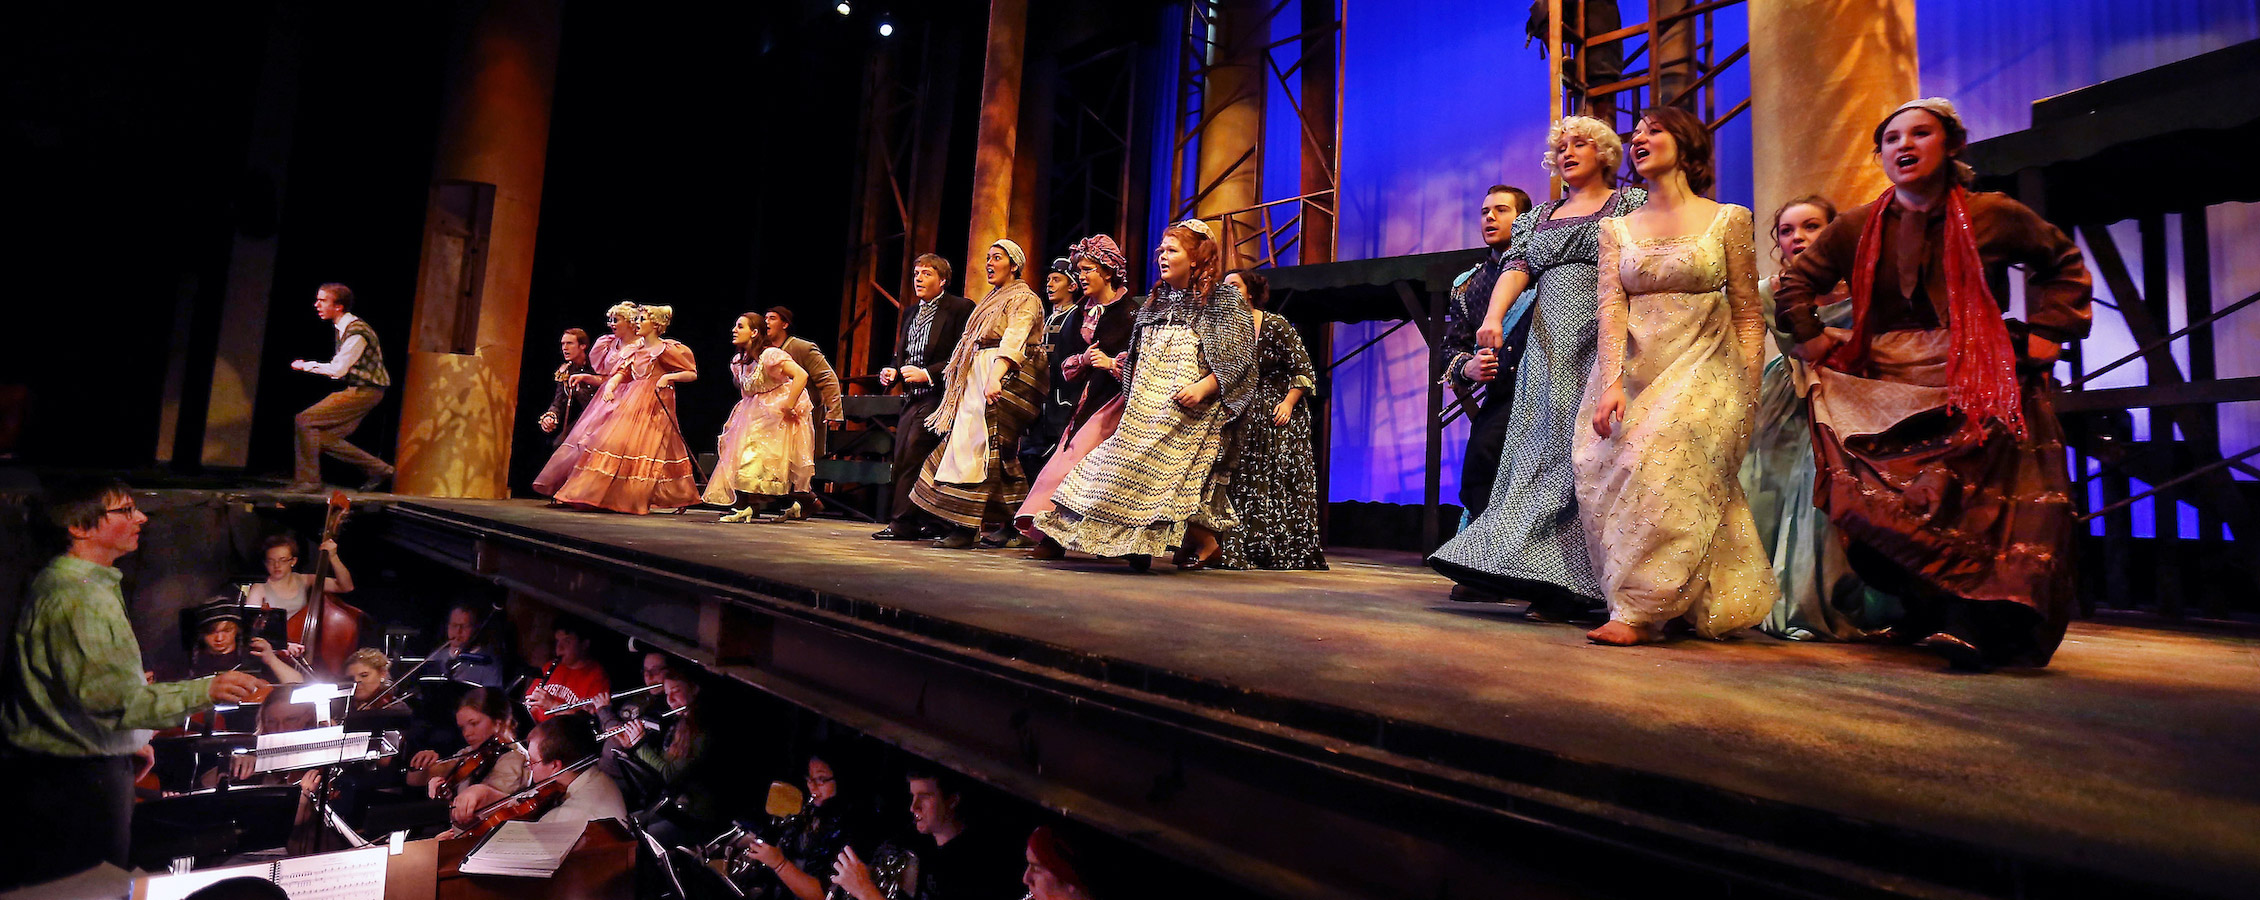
column 347, row 875
column 528, row 849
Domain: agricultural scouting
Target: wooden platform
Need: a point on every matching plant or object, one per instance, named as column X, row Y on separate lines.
column 2131, row 764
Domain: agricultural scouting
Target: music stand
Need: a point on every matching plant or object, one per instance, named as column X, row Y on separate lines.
column 211, row 823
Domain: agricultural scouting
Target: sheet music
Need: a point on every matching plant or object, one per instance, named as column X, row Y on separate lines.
column 288, row 750
column 528, row 849
column 349, row 875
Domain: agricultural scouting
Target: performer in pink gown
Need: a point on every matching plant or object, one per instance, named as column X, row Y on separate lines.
column 604, row 358
column 631, row 455
column 767, row 448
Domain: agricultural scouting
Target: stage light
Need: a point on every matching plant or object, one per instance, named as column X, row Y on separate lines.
column 843, row 8
column 886, row 29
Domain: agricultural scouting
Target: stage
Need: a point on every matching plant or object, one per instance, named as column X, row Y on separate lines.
column 1368, row 707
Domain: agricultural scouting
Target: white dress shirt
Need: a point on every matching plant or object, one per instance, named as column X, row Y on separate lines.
column 348, row 351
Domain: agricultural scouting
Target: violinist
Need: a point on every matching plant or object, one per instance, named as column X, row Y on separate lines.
column 287, row 589
column 553, row 750
column 370, row 670
column 573, row 673
column 489, row 767
column 800, row 849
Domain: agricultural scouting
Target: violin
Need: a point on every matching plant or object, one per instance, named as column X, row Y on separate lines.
column 530, row 803
column 329, row 628
column 450, row 772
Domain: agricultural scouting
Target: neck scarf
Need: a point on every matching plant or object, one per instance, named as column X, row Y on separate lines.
column 990, row 313
column 1982, row 372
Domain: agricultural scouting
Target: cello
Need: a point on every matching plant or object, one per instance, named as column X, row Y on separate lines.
column 329, row 628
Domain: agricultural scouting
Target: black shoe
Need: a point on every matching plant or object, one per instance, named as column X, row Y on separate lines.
column 1470, row 594
column 897, row 532
column 957, row 539
column 1140, row 562
column 1960, row 654
column 376, row 481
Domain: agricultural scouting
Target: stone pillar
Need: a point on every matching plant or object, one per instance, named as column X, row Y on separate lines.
column 996, row 141
column 1821, row 73
column 460, row 392
column 1232, row 98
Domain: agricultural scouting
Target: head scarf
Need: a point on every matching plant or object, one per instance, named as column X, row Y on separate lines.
column 1101, row 249
column 1062, row 266
column 1012, row 252
column 1056, row 857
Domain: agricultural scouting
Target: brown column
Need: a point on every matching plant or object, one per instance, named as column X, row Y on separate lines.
column 1322, row 93
column 997, row 141
column 1673, row 52
column 1232, row 99
column 1032, row 149
column 1821, row 73
column 460, row 392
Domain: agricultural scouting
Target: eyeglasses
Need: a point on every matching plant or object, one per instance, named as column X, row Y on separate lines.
column 126, row 510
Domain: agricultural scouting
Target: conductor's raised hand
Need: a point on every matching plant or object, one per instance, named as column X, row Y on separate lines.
column 233, row 687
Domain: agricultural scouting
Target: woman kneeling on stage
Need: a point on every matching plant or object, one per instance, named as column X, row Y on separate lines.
column 1940, row 456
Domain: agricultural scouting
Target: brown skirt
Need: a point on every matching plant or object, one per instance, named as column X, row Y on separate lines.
column 1961, row 509
column 993, row 500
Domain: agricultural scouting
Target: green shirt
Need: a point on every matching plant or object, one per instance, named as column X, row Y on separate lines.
column 74, row 680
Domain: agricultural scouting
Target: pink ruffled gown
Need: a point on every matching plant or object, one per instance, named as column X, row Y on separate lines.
column 766, row 448
column 628, row 456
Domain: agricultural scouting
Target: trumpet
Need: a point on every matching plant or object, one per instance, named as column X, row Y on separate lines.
column 591, row 702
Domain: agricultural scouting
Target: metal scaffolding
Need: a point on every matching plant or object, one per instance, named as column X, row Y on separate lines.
column 1679, row 42
column 1220, row 35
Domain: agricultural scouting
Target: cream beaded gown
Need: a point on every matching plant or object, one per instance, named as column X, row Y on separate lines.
column 1670, row 530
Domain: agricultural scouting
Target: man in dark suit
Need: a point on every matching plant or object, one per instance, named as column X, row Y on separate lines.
column 924, row 340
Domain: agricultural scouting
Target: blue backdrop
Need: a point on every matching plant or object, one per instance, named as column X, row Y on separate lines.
column 1443, row 98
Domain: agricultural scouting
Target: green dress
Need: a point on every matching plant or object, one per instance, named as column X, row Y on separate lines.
column 1821, row 598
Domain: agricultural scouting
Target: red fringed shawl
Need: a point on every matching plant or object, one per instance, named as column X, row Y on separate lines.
column 1982, row 374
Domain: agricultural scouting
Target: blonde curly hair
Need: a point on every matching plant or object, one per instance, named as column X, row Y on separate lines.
column 664, row 315
column 1591, row 129
column 624, row 311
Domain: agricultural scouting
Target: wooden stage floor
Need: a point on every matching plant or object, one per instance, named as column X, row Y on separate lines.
column 2137, row 752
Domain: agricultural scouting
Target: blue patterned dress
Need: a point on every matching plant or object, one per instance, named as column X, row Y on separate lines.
column 1529, row 544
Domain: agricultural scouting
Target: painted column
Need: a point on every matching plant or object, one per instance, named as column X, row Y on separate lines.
column 1821, row 73
column 997, row 138
column 460, row 393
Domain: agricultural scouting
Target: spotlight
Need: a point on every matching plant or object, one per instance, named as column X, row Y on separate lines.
column 843, row 8
column 886, row 29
